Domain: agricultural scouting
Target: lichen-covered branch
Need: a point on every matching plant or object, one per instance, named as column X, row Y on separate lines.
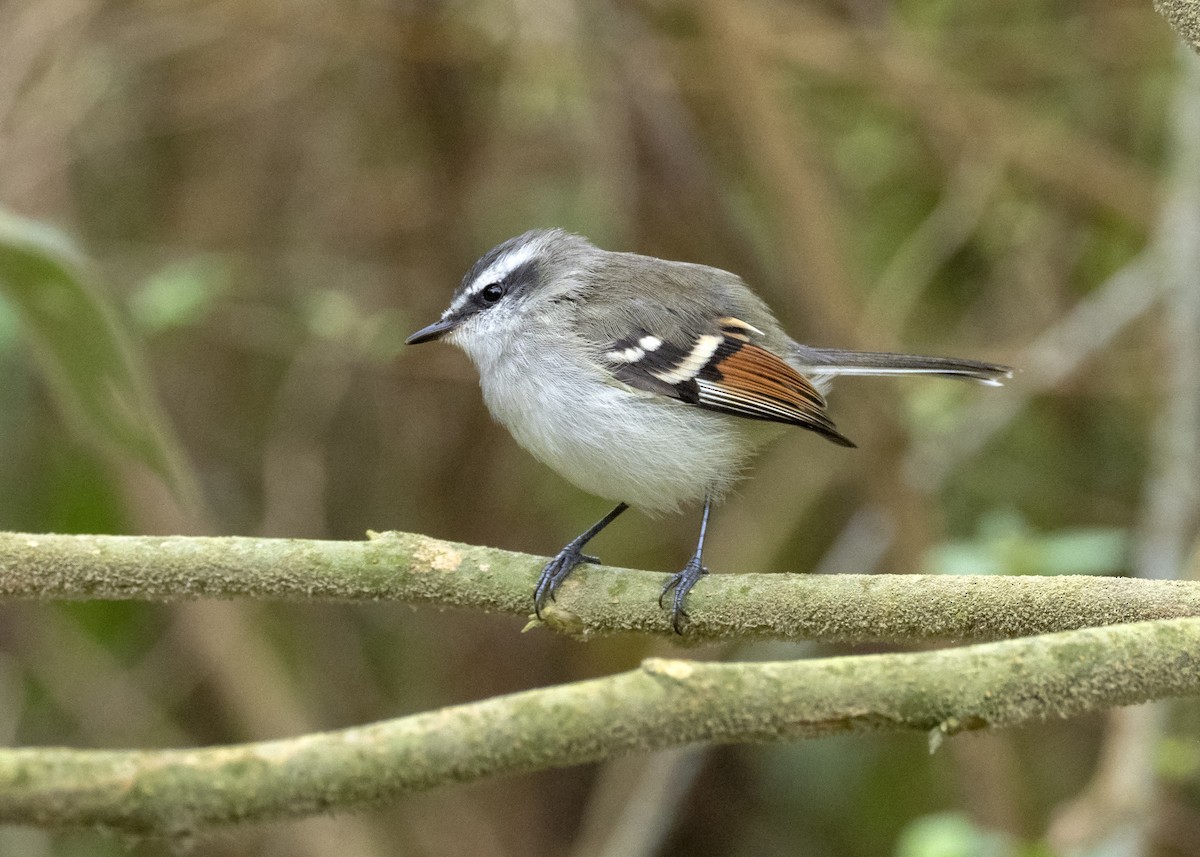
column 665, row 703
column 415, row 569
column 1184, row 16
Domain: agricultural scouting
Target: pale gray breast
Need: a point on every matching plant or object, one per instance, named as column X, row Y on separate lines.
column 652, row 452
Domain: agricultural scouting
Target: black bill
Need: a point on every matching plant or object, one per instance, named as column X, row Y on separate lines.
column 431, row 332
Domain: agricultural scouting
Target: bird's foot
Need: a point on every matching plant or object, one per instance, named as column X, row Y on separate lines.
column 556, row 571
column 682, row 583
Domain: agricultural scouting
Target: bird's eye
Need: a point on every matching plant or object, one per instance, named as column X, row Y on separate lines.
column 492, row 292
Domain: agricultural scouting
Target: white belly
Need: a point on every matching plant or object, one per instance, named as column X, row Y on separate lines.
column 649, row 451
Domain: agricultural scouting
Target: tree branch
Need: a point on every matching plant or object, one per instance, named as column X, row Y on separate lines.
column 415, row 569
column 1184, row 16
column 665, row 703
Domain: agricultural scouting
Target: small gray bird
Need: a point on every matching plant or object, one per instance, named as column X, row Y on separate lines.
column 647, row 382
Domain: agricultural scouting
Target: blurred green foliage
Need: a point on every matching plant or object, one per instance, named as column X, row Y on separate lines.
column 268, row 197
column 1006, row 545
column 953, row 834
column 83, row 351
column 180, row 295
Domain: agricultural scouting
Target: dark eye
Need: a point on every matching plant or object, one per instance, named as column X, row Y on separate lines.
column 492, row 293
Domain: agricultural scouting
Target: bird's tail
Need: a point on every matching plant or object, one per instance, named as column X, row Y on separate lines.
column 832, row 361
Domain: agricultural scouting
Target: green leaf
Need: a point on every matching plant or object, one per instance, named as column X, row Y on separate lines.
column 1177, row 759
column 1006, row 544
column 84, row 351
column 952, row 834
column 8, row 326
column 181, row 294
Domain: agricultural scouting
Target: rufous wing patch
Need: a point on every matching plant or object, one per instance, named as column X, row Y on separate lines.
column 752, row 382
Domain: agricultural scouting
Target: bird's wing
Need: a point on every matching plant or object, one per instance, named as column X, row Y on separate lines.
column 720, row 368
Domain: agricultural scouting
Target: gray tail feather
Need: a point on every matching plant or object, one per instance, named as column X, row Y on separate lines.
column 832, row 361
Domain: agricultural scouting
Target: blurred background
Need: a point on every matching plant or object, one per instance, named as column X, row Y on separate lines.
column 266, row 196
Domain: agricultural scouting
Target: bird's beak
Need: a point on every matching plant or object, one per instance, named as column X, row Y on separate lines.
column 434, row 331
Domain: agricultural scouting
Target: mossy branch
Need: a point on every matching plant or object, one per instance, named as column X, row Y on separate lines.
column 596, row 600
column 1184, row 16
column 665, row 703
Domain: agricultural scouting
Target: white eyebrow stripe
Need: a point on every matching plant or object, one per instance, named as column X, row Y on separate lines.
column 700, row 354
column 494, row 273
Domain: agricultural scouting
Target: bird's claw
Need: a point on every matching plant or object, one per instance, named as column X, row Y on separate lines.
column 556, row 571
column 682, row 583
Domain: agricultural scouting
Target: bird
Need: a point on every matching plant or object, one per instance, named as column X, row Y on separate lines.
column 648, row 382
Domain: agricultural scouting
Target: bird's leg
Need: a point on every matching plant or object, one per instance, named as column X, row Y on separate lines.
column 683, row 582
column 557, row 569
